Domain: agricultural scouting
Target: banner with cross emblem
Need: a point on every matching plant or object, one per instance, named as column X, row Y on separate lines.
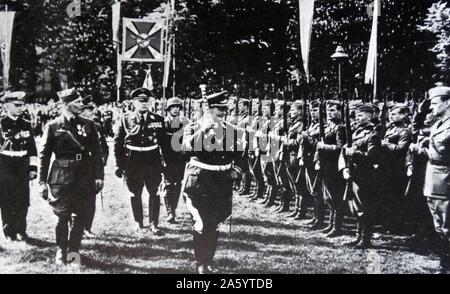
column 6, row 30
column 143, row 40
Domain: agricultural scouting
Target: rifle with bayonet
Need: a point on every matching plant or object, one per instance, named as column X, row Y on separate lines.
column 305, row 125
column 418, row 123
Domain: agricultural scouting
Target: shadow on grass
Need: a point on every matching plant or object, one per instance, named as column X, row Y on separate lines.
column 118, row 267
column 39, row 243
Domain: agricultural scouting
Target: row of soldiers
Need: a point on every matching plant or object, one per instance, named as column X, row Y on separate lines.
column 359, row 157
column 325, row 153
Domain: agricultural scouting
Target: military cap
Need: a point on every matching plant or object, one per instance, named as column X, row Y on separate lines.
column 402, row 107
column 13, row 96
column 218, row 99
column 331, row 103
column 279, row 103
column 174, row 102
column 266, row 102
column 68, row 95
column 244, row 100
column 88, row 102
column 439, row 91
column 141, row 94
column 315, row 104
column 365, row 108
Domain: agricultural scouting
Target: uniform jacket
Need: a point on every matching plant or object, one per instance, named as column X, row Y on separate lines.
column 174, row 136
column 437, row 176
column 133, row 130
column 17, row 135
column 211, row 147
column 367, row 146
column 67, row 141
column 335, row 139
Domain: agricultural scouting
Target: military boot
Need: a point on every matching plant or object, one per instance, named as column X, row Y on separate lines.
column 357, row 240
column 330, row 226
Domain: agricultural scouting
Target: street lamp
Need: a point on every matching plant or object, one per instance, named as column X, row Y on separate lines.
column 340, row 56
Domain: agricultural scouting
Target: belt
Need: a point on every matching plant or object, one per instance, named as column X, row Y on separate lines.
column 77, row 157
column 142, row 149
column 210, row 166
column 14, row 153
column 439, row 163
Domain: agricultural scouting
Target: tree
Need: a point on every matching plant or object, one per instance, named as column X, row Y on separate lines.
column 437, row 23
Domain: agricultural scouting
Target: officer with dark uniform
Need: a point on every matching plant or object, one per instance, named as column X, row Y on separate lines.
column 208, row 180
column 75, row 174
column 395, row 144
column 173, row 157
column 332, row 183
column 137, row 148
column 364, row 156
column 18, row 165
column 437, row 175
column 310, row 138
column 89, row 112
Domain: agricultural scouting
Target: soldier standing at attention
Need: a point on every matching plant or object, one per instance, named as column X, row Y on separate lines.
column 89, row 112
column 395, row 146
column 332, row 184
column 208, row 183
column 174, row 159
column 18, row 165
column 137, row 148
column 364, row 155
column 75, row 174
column 437, row 175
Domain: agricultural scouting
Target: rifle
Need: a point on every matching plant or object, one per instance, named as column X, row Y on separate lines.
column 190, row 108
column 305, row 124
column 349, row 139
column 322, row 121
column 419, row 117
column 204, row 102
column 384, row 113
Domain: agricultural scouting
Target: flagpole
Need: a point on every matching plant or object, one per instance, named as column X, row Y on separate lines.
column 375, row 80
column 173, row 48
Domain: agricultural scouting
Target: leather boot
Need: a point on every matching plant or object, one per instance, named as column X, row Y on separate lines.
column 444, row 265
column 317, row 225
column 357, row 240
column 365, row 238
column 301, row 215
column 266, row 196
column 330, row 226
column 271, row 199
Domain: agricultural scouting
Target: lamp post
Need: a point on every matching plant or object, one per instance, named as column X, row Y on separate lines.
column 340, row 56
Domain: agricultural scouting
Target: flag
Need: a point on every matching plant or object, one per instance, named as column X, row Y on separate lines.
column 116, row 22
column 119, row 71
column 167, row 64
column 6, row 30
column 116, row 40
column 371, row 67
column 306, row 10
column 148, row 82
column 143, row 40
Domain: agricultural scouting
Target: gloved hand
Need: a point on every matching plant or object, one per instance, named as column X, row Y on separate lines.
column 43, row 191
column 32, row 175
column 119, row 173
column 98, row 186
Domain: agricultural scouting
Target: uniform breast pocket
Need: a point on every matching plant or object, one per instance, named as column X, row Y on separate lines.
column 440, row 181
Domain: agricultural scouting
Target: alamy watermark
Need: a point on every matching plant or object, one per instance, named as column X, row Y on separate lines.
column 225, row 137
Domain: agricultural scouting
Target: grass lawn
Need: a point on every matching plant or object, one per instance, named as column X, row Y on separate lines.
column 261, row 242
